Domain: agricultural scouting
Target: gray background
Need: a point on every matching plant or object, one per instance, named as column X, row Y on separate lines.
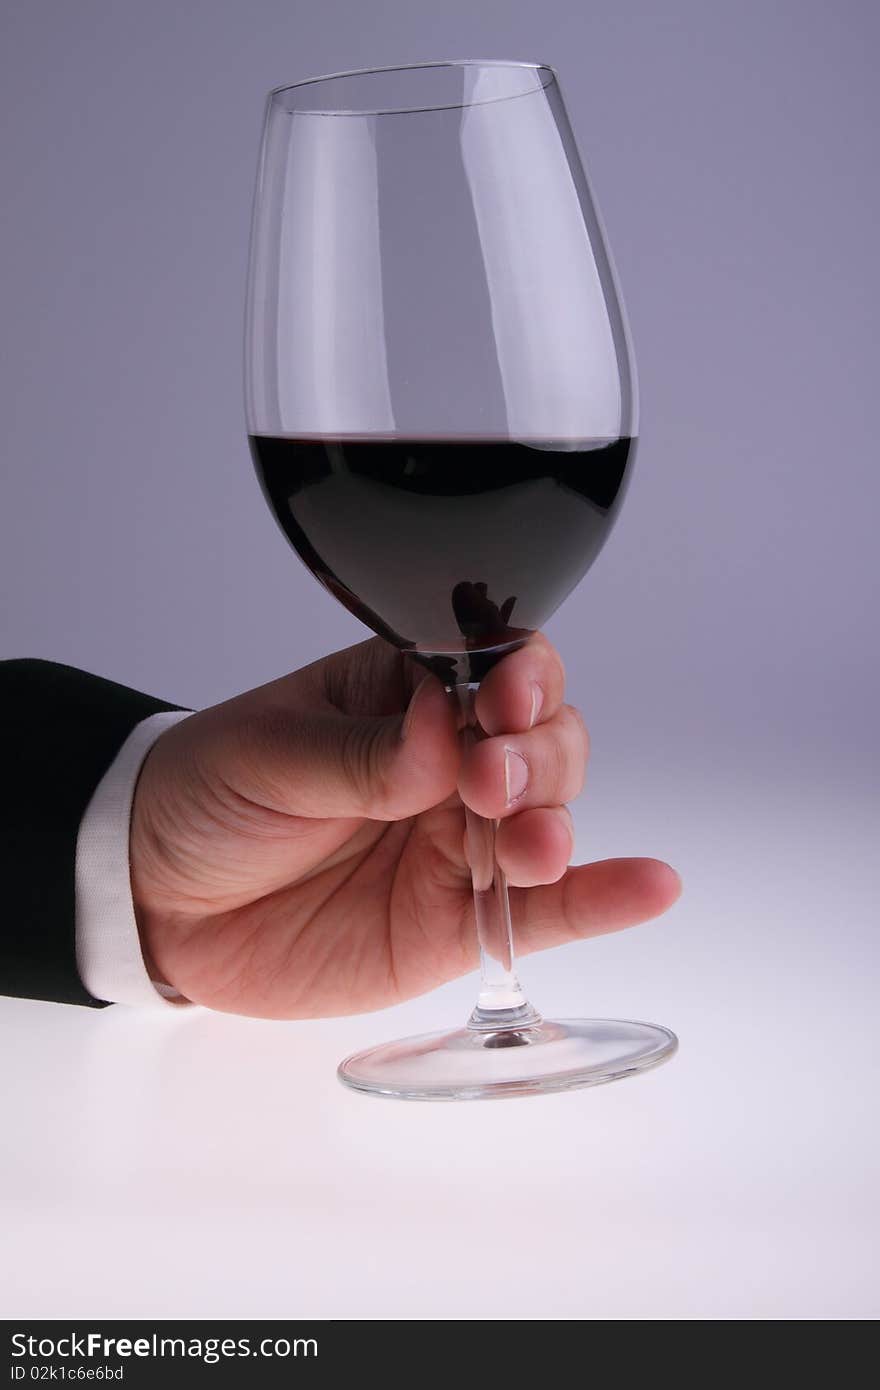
column 724, row 648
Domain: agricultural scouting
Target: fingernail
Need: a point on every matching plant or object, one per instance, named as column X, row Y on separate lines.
column 537, row 703
column 416, row 701
column 409, row 717
column 516, row 775
column 677, row 877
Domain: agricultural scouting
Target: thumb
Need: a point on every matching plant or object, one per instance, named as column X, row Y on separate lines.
column 325, row 763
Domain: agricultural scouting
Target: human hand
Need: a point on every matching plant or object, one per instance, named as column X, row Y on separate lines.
column 298, row 851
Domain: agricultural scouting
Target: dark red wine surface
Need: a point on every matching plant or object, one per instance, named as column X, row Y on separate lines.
column 454, row 550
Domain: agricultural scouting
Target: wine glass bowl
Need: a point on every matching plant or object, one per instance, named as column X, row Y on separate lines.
column 441, row 410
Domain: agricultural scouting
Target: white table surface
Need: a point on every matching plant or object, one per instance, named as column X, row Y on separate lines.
column 189, row 1164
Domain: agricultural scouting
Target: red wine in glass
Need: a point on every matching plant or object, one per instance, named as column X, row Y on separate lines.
column 453, row 550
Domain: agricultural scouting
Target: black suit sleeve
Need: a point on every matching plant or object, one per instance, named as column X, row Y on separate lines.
column 60, row 730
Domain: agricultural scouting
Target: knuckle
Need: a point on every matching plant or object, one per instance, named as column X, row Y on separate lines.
column 364, row 765
column 264, row 730
column 580, row 730
column 259, row 750
column 579, row 751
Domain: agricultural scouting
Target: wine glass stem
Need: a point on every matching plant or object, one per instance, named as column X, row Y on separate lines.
column 501, row 1002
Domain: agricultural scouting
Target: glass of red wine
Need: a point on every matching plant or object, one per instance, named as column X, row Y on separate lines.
column 441, row 408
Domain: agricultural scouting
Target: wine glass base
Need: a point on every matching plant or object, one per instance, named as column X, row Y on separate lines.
column 464, row 1064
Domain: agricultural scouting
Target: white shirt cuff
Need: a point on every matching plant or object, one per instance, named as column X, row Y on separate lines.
column 108, row 949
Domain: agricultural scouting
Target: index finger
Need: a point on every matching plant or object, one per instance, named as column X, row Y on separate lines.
column 524, row 689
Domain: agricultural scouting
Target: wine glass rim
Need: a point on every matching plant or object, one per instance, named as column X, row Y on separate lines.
column 542, row 68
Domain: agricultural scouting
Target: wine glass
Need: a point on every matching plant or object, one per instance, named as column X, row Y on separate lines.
column 441, row 409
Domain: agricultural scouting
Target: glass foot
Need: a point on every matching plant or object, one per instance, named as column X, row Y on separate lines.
column 469, row 1064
